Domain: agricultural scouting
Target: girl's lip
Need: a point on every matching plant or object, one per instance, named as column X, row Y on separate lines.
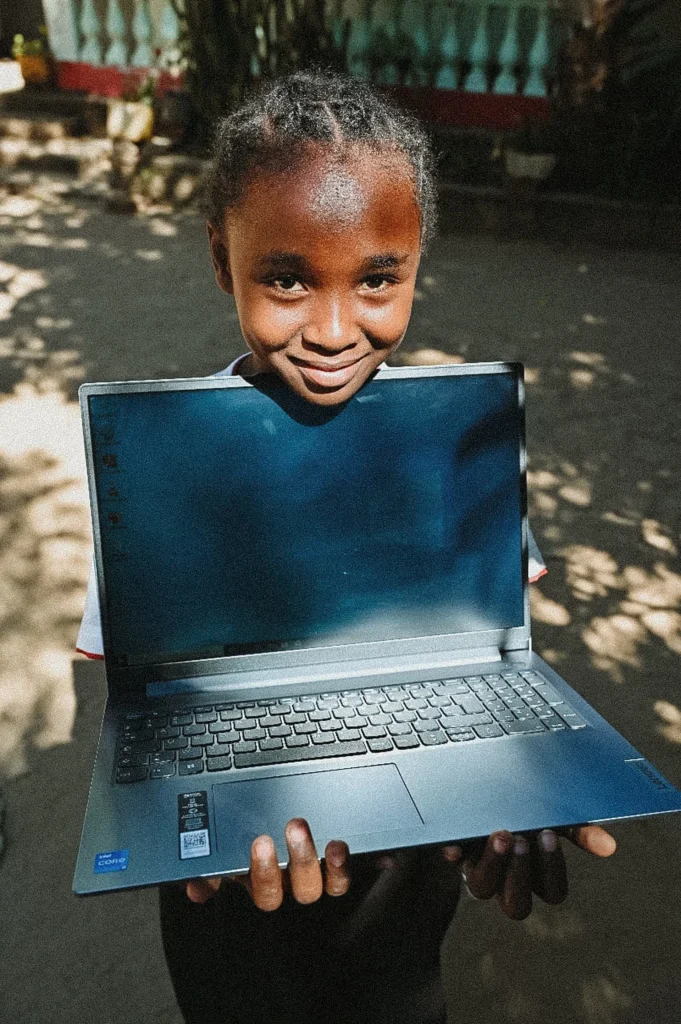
column 331, row 377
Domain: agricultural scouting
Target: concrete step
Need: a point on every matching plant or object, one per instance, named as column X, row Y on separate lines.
column 83, row 115
column 38, row 127
column 82, row 158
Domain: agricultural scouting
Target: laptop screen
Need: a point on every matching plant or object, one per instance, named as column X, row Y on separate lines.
column 236, row 520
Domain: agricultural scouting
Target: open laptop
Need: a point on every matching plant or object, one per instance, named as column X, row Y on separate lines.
column 324, row 613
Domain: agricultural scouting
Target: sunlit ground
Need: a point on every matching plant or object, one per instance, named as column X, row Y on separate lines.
column 84, row 296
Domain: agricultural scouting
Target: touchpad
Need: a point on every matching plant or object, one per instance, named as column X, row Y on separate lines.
column 337, row 803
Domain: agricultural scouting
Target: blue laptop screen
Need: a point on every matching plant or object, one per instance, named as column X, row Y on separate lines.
column 239, row 520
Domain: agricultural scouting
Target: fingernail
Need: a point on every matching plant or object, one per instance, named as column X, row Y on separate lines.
column 500, row 844
column 520, row 846
column 451, row 853
column 335, row 857
column 548, row 840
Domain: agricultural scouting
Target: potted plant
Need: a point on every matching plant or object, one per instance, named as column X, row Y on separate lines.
column 531, row 152
column 33, row 57
column 131, row 116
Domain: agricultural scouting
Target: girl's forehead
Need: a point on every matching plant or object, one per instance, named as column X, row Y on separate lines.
column 332, row 188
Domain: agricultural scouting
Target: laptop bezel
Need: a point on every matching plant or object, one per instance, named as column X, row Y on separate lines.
column 443, row 648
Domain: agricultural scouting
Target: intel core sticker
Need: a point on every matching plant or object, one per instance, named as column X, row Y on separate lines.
column 192, row 809
column 114, row 860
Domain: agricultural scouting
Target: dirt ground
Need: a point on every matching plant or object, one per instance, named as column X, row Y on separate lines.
column 89, row 296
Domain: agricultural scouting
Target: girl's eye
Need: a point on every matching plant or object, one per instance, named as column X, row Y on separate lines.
column 378, row 282
column 286, row 283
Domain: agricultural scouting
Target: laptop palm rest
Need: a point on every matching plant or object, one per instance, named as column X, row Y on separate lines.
column 337, row 803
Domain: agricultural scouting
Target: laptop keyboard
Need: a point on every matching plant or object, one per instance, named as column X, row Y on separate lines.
column 217, row 737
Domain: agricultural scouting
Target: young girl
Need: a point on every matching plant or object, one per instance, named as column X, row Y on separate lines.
column 320, row 203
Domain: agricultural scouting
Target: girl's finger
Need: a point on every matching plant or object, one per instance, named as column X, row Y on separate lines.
column 515, row 898
column 264, row 879
column 200, row 890
column 304, row 868
column 337, row 868
column 484, row 878
column 549, row 874
column 593, row 839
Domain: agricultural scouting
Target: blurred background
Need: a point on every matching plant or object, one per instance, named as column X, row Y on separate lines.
column 558, row 132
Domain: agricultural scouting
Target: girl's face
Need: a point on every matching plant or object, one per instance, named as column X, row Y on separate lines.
column 322, row 261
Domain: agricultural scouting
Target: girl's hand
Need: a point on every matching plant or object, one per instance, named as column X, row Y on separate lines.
column 512, row 867
column 265, row 880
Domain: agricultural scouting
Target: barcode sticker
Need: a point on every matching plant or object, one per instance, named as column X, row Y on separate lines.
column 194, row 844
column 193, row 824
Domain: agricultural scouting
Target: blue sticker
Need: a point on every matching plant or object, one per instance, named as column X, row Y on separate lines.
column 114, row 860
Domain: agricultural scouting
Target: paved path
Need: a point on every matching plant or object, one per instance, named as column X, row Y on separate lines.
column 90, row 296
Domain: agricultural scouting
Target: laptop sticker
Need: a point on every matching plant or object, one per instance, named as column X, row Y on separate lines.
column 192, row 811
column 112, row 860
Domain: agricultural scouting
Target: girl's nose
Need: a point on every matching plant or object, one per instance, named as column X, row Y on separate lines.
column 331, row 326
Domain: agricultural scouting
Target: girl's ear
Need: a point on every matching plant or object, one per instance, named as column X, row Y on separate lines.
column 219, row 259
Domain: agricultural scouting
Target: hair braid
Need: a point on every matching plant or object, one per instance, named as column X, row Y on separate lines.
column 278, row 120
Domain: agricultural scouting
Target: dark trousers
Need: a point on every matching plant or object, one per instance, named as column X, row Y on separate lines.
column 370, row 957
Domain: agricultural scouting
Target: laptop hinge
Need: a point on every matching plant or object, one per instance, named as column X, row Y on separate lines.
column 372, row 671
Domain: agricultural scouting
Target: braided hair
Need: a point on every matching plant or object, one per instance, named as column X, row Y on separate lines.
column 271, row 130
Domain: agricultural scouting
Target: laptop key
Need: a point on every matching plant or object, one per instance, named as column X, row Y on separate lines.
column 399, row 729
column 189, row 754
column 380, row 719
column 255, row 734
column 218, row 764
column 405, row 742
column 246, row 747
column 452, row 721
column 372, row 732
column 203, row 741
column 230, row 714
column 428, row 726
column 269, row 720
column 273, row 744
column 132, row 760
column 471, row 705
column 405, row 716
column 164, row 757
column 486, row 732
column 162, row 771
column 281, row 730
column 348, row 734
column 519, row 728
column 323, row 737
column 432, row 713
column 206, row 716
column 216, row 727
column 379, row 746
column 136, row 773
column 460, row 735
column 305, row 705
column 307, row 753
column 547, row 693
column 190, row 767
column 146, row 747
column 555, row 724
column 298, row 741
column 228, row 737
column 431, row 739
column 167, row 732
column 294, row 718
column 571, row 717
column 194, row 730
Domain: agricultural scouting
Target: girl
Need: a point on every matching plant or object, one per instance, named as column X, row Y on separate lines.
column 320, row 202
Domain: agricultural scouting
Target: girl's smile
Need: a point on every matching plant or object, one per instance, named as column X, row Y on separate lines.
column 322, row 261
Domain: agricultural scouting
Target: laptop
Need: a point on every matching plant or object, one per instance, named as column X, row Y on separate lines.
column 323, row 612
